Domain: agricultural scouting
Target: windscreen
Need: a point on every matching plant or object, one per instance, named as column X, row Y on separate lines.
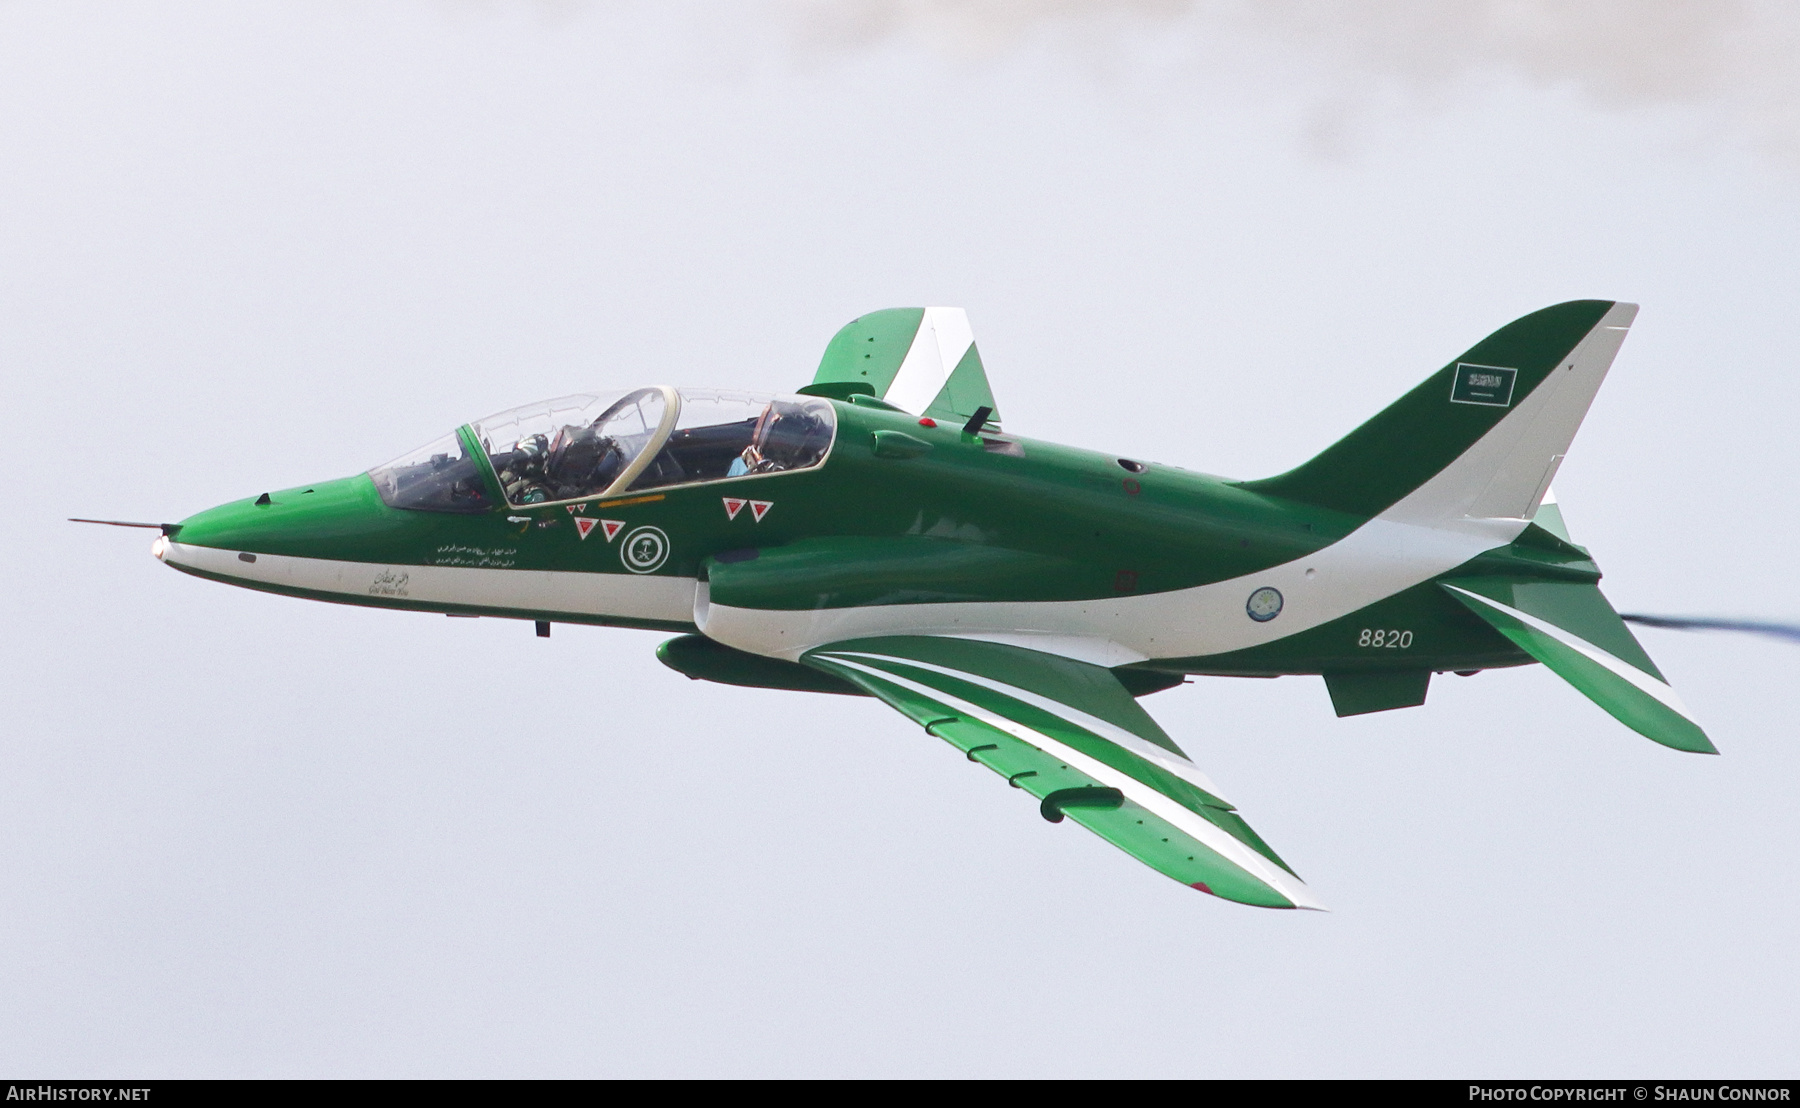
column 440, row 476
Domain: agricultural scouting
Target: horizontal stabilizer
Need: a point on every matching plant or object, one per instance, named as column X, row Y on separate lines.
column 1570, row 627
column 1070, row 735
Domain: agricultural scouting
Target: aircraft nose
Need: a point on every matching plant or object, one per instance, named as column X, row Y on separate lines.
column 339, row 520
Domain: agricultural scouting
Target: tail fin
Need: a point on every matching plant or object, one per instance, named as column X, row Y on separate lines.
column 1570, row 627
column 1493, row 425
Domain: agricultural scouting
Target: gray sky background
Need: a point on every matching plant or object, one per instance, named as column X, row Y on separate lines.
column 249, row 245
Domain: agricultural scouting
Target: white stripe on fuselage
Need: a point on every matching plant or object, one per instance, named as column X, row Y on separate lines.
column 1374, row 562
column 551, row 592
column 1430, row 531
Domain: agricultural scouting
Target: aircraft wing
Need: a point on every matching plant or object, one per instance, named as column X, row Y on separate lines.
column 1068, row 733
column 920, row 360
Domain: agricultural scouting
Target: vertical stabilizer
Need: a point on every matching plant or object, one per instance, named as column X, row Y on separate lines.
column 1479, row 439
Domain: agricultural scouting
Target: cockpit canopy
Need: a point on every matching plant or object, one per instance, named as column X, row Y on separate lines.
column 575, row 446
column 583, row 446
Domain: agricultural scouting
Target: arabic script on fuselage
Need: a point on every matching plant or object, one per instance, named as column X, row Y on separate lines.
column 389, row 583
column 479, row 557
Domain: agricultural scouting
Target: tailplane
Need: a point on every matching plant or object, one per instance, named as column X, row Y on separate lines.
column 1570, row 627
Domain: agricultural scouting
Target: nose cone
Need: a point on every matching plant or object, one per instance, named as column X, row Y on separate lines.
column 341, row 520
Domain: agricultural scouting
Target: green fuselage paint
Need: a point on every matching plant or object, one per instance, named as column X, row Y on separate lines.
column 972, row 520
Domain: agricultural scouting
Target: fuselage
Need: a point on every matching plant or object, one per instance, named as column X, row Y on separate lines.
column 903, row 525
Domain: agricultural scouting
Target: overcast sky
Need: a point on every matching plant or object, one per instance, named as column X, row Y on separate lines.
column 249, row 245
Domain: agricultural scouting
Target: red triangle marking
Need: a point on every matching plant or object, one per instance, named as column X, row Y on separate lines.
column 584, row 525
column 732, row 507
column 760, row 508
column 611, row 527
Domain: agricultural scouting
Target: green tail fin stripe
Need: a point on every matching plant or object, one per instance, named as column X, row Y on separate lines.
column 1635, row 698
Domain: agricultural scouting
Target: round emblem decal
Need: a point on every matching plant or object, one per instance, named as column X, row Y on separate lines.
column 1264, row 604
column 644, row 549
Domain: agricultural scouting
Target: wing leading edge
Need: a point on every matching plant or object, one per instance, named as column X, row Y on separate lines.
column 1068, row 733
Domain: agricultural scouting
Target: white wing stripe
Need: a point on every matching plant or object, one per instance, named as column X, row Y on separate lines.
column 1111, row 732
column 1214, row 838
column 1638, row 678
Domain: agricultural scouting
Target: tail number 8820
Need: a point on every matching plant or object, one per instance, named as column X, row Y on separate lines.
column 1385, row 640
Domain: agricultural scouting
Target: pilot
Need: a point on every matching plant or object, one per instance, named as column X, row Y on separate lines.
column 788, row 436
column 522, row 475
column 751, row 460
column 747, row 462
column 582, row 461
column 797, row 436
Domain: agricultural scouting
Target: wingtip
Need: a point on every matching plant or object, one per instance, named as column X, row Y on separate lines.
column 1303, row 900
column 1688, row 739
column 1705, row 745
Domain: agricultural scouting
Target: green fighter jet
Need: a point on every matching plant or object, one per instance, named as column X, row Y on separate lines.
column 877, row 534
